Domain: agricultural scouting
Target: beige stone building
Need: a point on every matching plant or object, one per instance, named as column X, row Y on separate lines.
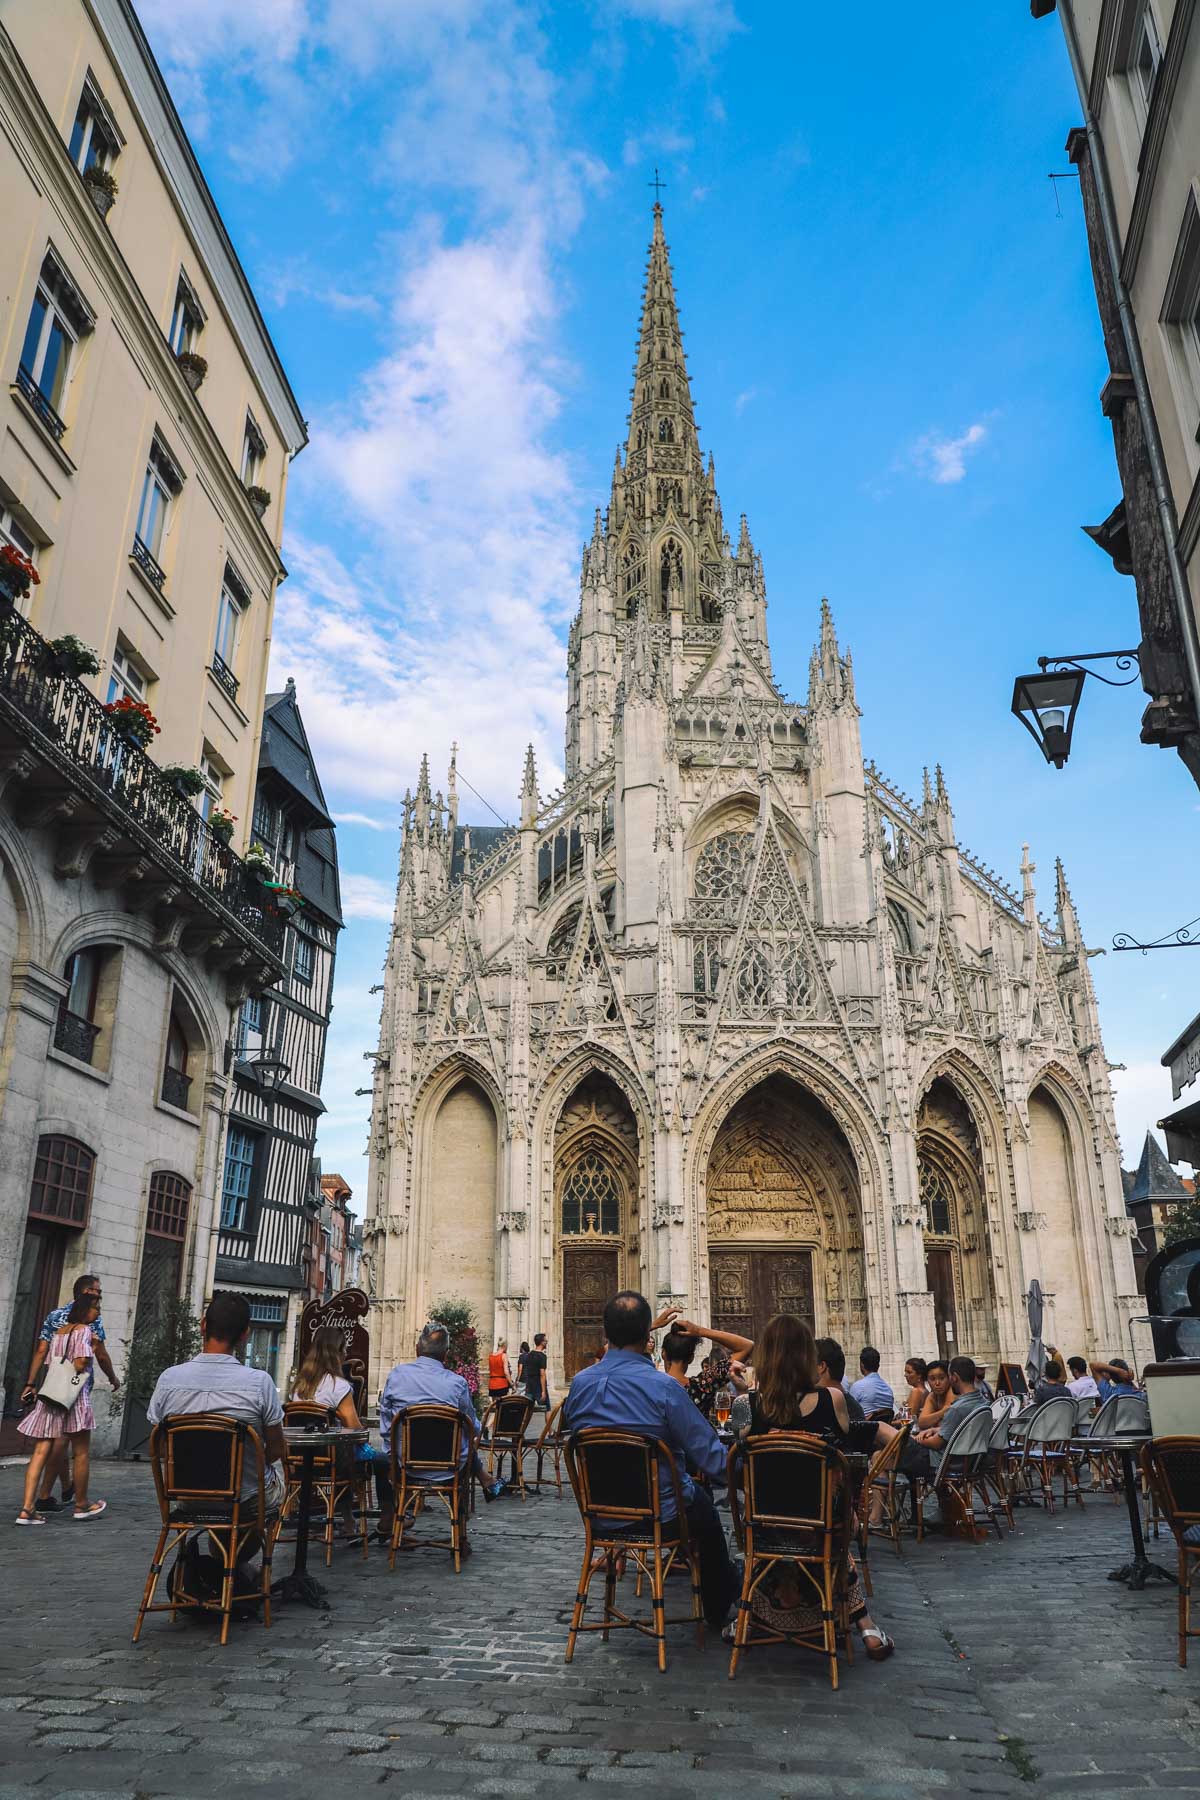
column 146, row 427
column 730, row 1018
column 1136, row 65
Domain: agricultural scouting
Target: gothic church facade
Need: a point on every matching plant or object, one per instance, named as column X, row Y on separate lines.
column 730, row 1019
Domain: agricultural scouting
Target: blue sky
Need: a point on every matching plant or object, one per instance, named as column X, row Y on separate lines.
column 442, row 205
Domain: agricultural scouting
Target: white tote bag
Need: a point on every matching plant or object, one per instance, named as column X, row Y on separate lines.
column 62, row 1383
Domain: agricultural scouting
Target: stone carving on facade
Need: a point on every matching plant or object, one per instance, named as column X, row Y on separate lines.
column 1031, row 1221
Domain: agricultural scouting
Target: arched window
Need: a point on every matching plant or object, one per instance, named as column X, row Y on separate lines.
column 935, row 1196
column 591, row 1199
column 666, row 431
column 901, row 928
column 167, row 1211
column 722, row 870
column 62, row 1182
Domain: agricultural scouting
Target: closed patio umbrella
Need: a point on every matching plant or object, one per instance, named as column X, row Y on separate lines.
column 1035, row 1361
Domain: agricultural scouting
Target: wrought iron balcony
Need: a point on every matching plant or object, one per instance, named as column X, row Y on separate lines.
column 175, row 1086
column 41, row 406
column 112, row 805
column 224, row 675
column 145, row 561
column 75, row 1036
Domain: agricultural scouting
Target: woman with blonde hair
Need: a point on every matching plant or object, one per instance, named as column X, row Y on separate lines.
column 319, row 1379
column 500, row 1375
column 789, row 1397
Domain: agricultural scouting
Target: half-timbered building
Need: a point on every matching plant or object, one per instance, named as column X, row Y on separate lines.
column 268, row 1194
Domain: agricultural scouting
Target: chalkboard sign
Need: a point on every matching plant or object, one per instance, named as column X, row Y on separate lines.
column 1011, row 1380
column 345, row 1313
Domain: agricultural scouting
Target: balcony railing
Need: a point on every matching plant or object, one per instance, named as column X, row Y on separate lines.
column 75, row 1036
column 175, row 1086
column 225, row 675
column 145, row 561
column 41, row 406
column 79, row 729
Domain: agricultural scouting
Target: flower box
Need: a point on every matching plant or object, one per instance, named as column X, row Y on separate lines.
column 102, row 188
column 133, row 720
column 221, row 824
column 259, row 498
column 69, row 655
column 193, row 368
column 17, row 573
column 187, row 782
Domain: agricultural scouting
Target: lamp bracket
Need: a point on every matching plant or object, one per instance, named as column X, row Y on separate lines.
column 1124, row 659
column 1184, row 937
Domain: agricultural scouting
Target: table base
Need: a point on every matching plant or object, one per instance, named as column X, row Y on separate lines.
column 303, row 1587
column 1141, row 1571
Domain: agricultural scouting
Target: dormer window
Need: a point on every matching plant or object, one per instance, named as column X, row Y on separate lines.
column 95, row 137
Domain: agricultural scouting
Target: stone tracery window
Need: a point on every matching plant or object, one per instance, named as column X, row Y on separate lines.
column 937, row 1201
column 722, row 871
column 591, row 1199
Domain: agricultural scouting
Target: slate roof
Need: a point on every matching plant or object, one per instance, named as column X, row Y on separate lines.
column 1155, row 1180
column 285, row 756
column 484, row 839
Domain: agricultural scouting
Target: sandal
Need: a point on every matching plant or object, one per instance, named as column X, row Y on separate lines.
column 883, row 1646
column 27, row 1516
column 91, row 1512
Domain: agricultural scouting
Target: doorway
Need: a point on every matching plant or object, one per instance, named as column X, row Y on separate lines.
column 939, row 1279
column 748, row 1287
column 39, row 1277
column 590, row 1278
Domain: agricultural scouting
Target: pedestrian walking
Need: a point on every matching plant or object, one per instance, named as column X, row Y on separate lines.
column 522, row 1357
column 500, row 1376
column 49, row 1423
column 535, row 1372
column 86, row 1287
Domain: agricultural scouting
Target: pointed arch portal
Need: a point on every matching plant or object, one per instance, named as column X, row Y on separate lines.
column 784, row 1217
column 595, row 1208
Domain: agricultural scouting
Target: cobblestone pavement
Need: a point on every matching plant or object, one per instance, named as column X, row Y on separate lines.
column 1020, row 1670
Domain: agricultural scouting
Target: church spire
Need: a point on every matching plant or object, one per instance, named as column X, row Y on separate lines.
column 662, row 395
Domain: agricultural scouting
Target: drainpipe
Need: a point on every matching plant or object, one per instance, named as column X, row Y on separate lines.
column 1141, row 387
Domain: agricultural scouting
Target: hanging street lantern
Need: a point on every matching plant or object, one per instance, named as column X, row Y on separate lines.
column 1046, row 703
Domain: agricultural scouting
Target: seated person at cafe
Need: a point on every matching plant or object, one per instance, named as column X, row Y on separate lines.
column 715, row 1369
column 320, row 1381
column 625, row 1392
column 1053, row 1384
column 1082, row 1385
column 790, row 1397
column 916, row 1371
column 871, row 1390
column 217, row 1382
column 1115, row 1377
column 426, row 1381
column 831, row 1373
column 917, row 1457
column 939, row 1397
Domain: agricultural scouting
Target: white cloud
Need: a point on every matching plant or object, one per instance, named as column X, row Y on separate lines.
column 944, row 459
column 357, row 818
column 644, row 147
column 365, row 897
column 709, row 21
column 743, row 400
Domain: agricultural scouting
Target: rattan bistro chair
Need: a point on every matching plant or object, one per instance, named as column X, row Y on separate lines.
column 550, row 1444
column 198, row 1461
column 883, row 1483
column 791, row 1500
column 507, row 1421
column 618, row 1480
column 334, row 1477
column 1171, row 1466
column 426, row 1462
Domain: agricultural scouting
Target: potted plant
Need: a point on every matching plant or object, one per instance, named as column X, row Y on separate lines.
column 102, row 188
column 17, row 572
column 69, row 655
column 194, row 367
column 287, row 900
column 186, row 781
column 133, row 720
column 258, row 862
column 259, row 498
column 221, row 823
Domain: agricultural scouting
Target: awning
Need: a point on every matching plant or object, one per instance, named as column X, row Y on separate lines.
column 1183, row 1134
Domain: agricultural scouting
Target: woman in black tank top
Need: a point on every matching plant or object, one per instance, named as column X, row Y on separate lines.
column 788, row 1397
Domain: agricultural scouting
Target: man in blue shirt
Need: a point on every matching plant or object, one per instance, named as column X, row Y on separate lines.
column 1115, row 1377
column 625, row 1392
column 428, row 1382
column 871, row 1390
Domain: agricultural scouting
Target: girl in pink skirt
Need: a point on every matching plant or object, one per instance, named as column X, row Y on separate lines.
column 46, row 1424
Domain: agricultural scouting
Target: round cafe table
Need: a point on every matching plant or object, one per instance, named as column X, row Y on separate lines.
column 1141, row 1570
column 304, row 1445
